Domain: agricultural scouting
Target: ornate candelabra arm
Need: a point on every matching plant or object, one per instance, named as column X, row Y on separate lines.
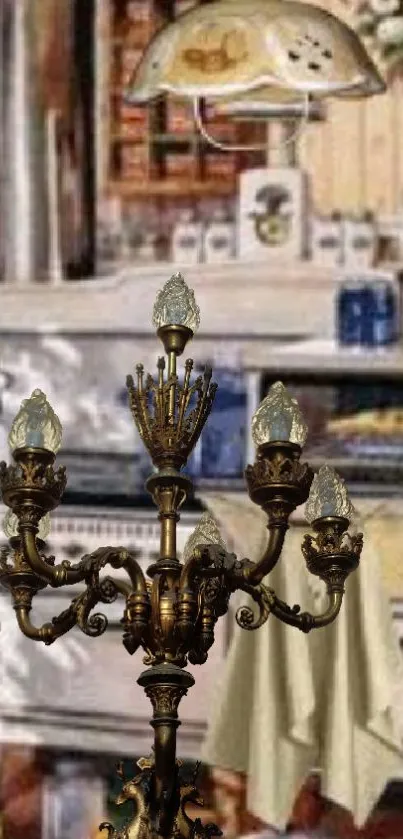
column 332, row 554
column 23, row 585
column 66, row 574
column 121, row 586
column 54, row 575
column 48, row 632
column 278, row 482
column 268, row 603
column 254, row 572
column 305, row 621
column 78, row 613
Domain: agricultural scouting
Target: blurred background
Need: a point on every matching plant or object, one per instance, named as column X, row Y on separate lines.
column 295, row 253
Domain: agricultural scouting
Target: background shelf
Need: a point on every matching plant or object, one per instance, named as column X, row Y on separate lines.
column 169, row 188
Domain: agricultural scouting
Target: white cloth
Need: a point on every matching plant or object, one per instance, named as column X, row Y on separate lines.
column 288, row 702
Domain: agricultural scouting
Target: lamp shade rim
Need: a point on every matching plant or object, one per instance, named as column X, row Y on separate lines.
column 361, row 85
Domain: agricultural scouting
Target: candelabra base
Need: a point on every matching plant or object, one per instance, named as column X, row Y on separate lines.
column 160, row 792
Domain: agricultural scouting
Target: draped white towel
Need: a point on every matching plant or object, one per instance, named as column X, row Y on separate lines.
column 288, row 702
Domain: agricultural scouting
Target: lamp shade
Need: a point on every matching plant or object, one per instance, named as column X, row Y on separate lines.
column 230, row 47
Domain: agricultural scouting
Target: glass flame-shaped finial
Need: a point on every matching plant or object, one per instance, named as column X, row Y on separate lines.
column 278, row 419
column 36, row 425
column 176, row 305
column 206, row 532
column 10, row 526
column 328, row 496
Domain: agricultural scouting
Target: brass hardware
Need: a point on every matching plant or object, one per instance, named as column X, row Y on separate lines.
column 174, row 338
column 333, row 553
column 32, row 483
column 278, row 482
column 171, row 611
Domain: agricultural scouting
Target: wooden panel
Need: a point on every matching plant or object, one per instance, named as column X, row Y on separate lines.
column 313, row 155
column 355, row 158
column 378, row 151
column 347, row 132
column 397, row 134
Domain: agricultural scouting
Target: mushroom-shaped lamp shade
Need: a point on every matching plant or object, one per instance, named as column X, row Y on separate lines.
column 36, row 425
column 231, row 47
column 278, row 419
column 176, row 306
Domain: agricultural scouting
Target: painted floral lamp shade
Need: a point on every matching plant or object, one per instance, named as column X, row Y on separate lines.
column 232, row 47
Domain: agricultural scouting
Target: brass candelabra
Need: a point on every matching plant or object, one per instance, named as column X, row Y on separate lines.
column 171, row 612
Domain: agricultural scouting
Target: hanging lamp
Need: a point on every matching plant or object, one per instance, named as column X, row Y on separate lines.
column 255, row 58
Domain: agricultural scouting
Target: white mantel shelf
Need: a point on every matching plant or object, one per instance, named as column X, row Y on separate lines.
column 325, row 356
column 278, row 317
column 235, row 298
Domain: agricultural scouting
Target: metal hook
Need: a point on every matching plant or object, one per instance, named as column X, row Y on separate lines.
column 228, row 147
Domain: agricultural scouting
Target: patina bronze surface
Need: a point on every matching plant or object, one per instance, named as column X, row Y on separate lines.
column 171, row 612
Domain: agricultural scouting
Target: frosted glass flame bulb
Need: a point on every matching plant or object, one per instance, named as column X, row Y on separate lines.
column 328, row 496
column 36, row 425
column 176, row 305
column 206, row 532
column 44, row 527
column 11, row 526
column 278, row 419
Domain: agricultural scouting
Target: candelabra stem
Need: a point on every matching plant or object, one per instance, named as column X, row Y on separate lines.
column 172, row 363
column 172, row 389
column 169, row 490
column 165, row 685
column 168, row 536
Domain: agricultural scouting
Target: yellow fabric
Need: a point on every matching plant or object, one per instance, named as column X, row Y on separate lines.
column 386, row 532
column 289, row 702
